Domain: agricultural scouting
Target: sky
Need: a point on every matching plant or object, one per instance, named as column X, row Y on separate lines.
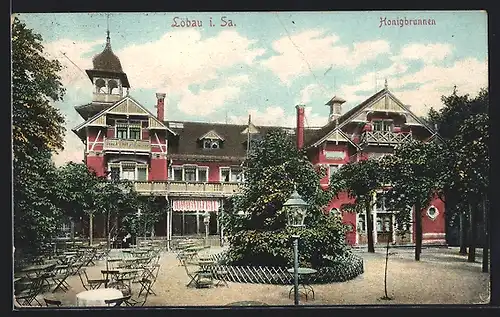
column 228, row 65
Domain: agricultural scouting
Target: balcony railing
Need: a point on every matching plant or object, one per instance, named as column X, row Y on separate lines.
column 384, row 137
column 127, row 145
column 105, row 97
column 176, row 188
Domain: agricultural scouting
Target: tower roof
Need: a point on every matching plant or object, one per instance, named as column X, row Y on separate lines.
column 335, row 99
column 107, row 60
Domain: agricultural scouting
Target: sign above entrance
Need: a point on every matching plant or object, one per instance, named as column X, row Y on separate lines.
column 335, row 155
column 195, row 205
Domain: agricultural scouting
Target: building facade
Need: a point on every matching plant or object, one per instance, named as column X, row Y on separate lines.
column 196, row 166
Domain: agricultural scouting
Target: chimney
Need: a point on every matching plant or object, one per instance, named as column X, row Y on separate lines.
column 160, row 106
column 300, row 126
column 335, row 108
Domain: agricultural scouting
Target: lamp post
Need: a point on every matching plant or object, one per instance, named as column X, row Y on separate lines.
column 139, row 214
column 206, row 221
column 296, row 213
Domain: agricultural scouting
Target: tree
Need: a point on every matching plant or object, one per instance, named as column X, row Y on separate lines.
column 37, row 130
column 77, row 189
column 416, row 173
column 115, row 200
column 462, row 122
column 472, row 165
column 273, row 169
column 36, row 212
column 140, row 224
column 360, row 180
column 37, row 124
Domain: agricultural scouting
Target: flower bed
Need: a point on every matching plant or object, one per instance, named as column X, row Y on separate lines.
column 341, row 269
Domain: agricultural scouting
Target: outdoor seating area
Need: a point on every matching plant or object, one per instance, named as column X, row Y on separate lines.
column 118, row 275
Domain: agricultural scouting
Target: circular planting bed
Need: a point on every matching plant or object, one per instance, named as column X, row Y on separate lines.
column 341, row 269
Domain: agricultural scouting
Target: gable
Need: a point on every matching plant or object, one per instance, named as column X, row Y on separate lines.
column 211, row 135
column 251, row 129
column 127, row 105
column 384, row 101
column 337, row 136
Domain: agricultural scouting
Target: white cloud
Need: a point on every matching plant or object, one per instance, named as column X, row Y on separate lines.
column 428, row 84
column 207, row 101
column 277, row 116
column 428, row 53
column 182, row 58
column 71, row 56
column 316, row 50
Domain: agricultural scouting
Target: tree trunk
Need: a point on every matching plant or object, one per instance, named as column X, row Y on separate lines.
column 108, row 233
column 463, row 234
column 486, row 241
column 369, row 228
column 91, row 229
column 418, row 231
column 72, row 228
column 473, row 233
column 386, row 297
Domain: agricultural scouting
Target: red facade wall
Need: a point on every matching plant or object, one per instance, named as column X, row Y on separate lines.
column 154, row 141
column 158, row 169
column 96, row 163
column 433, row 230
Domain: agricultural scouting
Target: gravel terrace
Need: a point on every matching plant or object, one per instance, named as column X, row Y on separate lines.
column 441, row 277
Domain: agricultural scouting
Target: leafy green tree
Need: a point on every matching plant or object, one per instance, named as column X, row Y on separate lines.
column 151, row 209
column 37, row 125
column 361, row 180
column 462, row 122
column 417, row 175
column 37, row 130
column 274, row 168
column 115, row 200
column 36, row 212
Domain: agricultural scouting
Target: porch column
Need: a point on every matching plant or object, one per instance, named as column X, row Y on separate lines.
column 357, row 229
column 221, row 228
column 169, row 222
column 375, row 234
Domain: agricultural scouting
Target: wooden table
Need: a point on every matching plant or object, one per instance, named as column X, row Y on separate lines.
column 96, row 297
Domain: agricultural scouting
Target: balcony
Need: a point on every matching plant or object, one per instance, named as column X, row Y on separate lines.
column 384, row 138
column 127, row 145
column 179, row 189
column 105, row 97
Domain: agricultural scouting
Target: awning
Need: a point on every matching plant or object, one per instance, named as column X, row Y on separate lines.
column 195, row 205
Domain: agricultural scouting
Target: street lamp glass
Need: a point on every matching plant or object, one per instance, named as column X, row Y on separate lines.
column 296, row 210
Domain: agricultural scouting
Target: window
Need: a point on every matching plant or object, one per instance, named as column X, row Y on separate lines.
column 432, row 212
column 135, row 133
column 361, row 223
column 202, row 174
column 190, row 174
column 177, row 175
column 128, row 173
column 332, row 169
column 128, row 130
column 224, row 173
column 231, row 174
column 211, row 144
column 115, row 173
column 334, row 212
column 121, row 132
column 142, row 174
column 382, row 125
column 380, row 203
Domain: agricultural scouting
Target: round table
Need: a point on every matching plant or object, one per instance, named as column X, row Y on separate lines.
column 96, row 297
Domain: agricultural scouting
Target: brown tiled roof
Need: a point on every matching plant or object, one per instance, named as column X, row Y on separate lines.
column 320, row 133
column 91, row 109
column 187, row 142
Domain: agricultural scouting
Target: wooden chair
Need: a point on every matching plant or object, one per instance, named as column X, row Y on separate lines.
column 149, row 278
column 90, row 283
column 52, row 302
column 118, row 301
column 197, row 277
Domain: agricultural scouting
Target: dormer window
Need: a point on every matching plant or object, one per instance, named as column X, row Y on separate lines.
column 128, row 130
column 211, row 140
column 382, row 125
column 211, row 144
